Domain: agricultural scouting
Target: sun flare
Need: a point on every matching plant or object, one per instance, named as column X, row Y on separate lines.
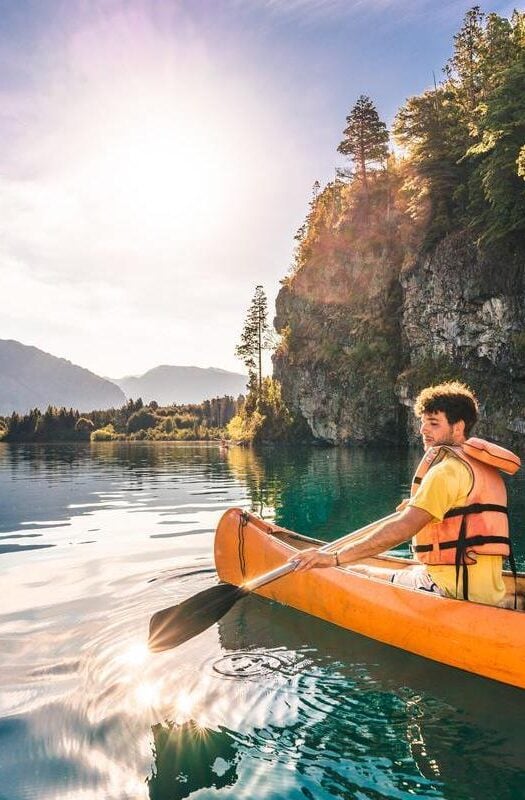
column 147, row 694
column 184, row 702
column 136, row 654
column 155, row 173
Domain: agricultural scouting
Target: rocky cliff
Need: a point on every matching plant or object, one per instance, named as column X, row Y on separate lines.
column 410, row 269
column 463, row 315
column 338, row 315
column 364, row 328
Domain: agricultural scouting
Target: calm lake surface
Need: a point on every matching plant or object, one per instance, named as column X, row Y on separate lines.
column 269, row 703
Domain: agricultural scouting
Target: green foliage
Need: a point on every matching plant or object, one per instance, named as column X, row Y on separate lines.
column 428, row 127
column 264, row 417
column 464, row 140
column 84, row 428
column 255, row 337
column 141, row 420
column 429, row 371
column 205, row 420
column 502, row 128
column 106, row 434
column 244, row 429
column 465, row 69
column 54, row 425
column 518, row 344
column 365, row 137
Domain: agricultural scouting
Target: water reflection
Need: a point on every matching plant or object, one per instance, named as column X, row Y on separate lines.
column 326, row 491
column 189, row 757
column 359, row 697
column 297, row 708
column 317, row 491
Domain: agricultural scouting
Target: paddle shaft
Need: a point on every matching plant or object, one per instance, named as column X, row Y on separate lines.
column 175, row 625
column 289, row 566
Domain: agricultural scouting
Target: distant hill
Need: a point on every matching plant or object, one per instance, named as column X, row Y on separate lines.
column 168, row 384
column 30, row 378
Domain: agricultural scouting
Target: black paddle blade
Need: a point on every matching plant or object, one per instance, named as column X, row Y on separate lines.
column 175, row 625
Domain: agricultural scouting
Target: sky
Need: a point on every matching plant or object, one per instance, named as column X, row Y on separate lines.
column 157, row 158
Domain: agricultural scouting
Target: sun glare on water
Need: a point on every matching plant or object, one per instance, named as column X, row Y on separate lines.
column 184, row 702
column 136, row 654
column 148, row 694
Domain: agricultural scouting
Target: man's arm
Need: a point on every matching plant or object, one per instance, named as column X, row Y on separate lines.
column 390, row 534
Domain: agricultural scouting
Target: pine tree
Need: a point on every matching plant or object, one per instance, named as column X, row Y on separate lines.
column 255, row 337
column 430, row 128
column 464, row 70
column 502, row 136
column 365, row 138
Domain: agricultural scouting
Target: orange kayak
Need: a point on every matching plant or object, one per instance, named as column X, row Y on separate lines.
column 486, row 640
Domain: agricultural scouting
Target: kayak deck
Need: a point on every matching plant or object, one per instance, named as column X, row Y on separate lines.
column 300, row 542
column 486, row 640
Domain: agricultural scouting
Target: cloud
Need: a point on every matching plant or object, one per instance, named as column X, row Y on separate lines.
column 330, row 11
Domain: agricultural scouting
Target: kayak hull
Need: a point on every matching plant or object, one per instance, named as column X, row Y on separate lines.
column 485, row 640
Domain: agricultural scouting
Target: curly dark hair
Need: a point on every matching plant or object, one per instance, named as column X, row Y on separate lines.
column 453, row 398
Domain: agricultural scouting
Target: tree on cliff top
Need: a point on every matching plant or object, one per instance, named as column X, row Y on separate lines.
column 255, row 337
column 365, row 138
column 464, row 138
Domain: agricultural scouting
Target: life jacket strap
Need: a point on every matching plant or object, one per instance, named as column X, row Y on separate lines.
column 460, row 558
column 469, row 541
column 512, row 564
column 475, row 508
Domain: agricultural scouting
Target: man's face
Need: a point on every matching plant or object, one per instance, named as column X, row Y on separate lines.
column 436, row 429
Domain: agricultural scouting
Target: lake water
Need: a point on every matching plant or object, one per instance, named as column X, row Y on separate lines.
column 269, row 703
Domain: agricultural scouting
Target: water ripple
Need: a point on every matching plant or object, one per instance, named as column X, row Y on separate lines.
column 269, row 703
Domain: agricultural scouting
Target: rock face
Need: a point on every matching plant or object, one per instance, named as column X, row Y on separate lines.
column 361, row 340
column 341, row 390
column 464, row 315
column 339, row 318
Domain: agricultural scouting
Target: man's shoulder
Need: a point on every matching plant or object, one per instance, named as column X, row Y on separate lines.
column 451, row 468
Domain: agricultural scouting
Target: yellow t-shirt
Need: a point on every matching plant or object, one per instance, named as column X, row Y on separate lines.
column 446, row 486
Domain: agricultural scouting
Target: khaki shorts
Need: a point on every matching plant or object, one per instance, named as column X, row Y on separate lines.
column 416, row 578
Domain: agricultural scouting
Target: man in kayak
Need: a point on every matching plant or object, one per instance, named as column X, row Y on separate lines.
column 456, row 515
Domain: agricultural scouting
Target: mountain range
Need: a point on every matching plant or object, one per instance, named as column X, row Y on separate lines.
column 31, row 378
column 169, row 384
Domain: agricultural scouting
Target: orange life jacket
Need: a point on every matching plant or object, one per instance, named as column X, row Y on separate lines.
column 480, row 526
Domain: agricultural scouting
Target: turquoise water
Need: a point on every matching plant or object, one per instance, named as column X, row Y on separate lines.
column 267, row 704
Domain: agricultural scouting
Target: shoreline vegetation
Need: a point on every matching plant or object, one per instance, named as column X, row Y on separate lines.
column 134, row 421
column 261, row 416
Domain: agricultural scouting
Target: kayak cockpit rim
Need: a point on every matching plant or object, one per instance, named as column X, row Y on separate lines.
column 288, row 539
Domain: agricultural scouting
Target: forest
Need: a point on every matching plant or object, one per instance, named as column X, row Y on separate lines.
column 134, row 421
column 459, row 158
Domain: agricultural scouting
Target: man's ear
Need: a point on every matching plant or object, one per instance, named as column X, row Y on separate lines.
column 458, row 430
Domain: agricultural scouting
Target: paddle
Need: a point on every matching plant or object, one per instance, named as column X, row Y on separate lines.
column 174, row 625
